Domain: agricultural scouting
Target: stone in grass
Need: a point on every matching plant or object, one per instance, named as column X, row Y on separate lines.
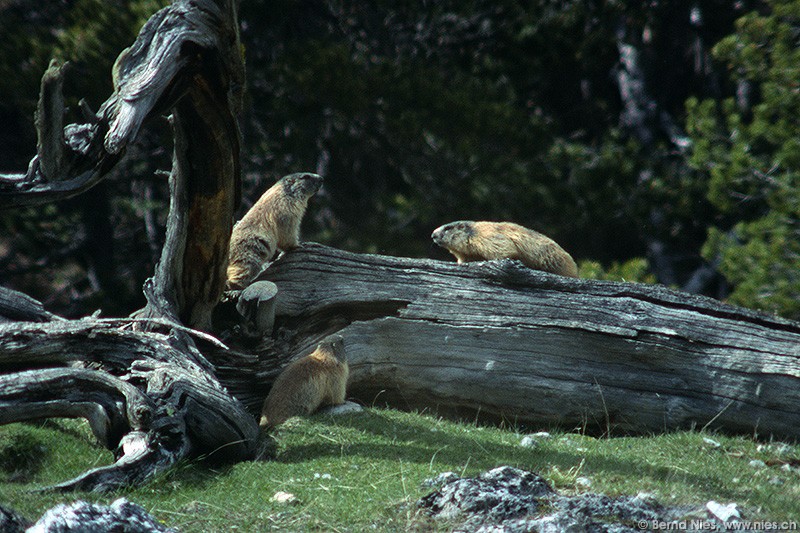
column 528, row 441
column 342, row 409
column 511, row 500
column 284, row 497
column 84, row 517
column 499, row 494
column 723, row 512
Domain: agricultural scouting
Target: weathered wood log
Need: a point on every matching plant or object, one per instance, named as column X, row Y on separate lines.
column 150, row 394
column 256, row 305
column 15, row 306
column 155, row 399
column 504, row 341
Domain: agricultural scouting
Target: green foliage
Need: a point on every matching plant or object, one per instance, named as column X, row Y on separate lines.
column 420, row 114
column 456, row 111
column 634, row 270
column 88, row 33
column 749, row 153
column 70, row 255
column 47, row 452
column 365, row 471
column 20, row 454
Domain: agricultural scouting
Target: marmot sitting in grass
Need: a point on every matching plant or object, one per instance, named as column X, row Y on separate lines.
column 272, row 224
column 317, row 379
column 480, row 241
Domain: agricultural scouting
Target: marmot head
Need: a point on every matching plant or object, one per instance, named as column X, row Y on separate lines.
column 454, row 234
column 301, row 185
column 334, row 345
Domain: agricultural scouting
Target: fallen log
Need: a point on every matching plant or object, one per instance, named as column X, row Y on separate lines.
column 500, row 341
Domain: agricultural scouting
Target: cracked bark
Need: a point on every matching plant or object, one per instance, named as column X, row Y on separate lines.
column 143, row 383
column 503, row 341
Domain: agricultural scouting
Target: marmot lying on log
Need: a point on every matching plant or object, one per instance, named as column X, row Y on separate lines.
column 480, row 241
column 272, row 224
column 317, row 379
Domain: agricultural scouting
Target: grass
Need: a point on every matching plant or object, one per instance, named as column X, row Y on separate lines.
column 365, row 470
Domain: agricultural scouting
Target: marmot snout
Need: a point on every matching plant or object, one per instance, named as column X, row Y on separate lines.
column 479, row 241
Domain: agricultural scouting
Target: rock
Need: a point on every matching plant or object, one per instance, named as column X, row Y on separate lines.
column 541, row 435
column 647, row 497
column 583, row 483
column 499, row 494
column 84, row 517
column 711, row 442
column 283, row 497
column 722, row 512
column 342, row 409
column 528, row 442
column 757, row 463
column 510, row 500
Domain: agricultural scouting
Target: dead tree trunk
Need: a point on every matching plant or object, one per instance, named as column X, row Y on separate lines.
column 504, row 341
column 144, row 386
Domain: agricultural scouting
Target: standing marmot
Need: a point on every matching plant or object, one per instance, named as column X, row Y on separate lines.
column 479, row 241
column 272, row 224
column 317, row 379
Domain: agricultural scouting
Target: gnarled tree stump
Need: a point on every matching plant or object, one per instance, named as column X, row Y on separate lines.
column 144, row 386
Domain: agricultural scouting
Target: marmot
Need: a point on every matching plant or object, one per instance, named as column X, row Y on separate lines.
column 479, row 241
column 317, row 379
column 272, row 224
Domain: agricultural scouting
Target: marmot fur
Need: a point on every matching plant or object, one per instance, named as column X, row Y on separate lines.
column 272, row 224
column 317, row 379
column 480, row 241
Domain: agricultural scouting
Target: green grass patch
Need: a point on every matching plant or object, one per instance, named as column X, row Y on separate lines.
column 365, row 470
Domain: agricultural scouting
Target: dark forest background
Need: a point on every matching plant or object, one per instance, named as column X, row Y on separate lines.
column 656, row 141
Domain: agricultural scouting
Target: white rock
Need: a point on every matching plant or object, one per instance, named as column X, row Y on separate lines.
column 757, row 463
column 342, row 409
column 723, row 512
column 647, row 497
column 711, row 442
column 528, row 442
column 283, row 497
column 541, row 435
column 583, row 482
